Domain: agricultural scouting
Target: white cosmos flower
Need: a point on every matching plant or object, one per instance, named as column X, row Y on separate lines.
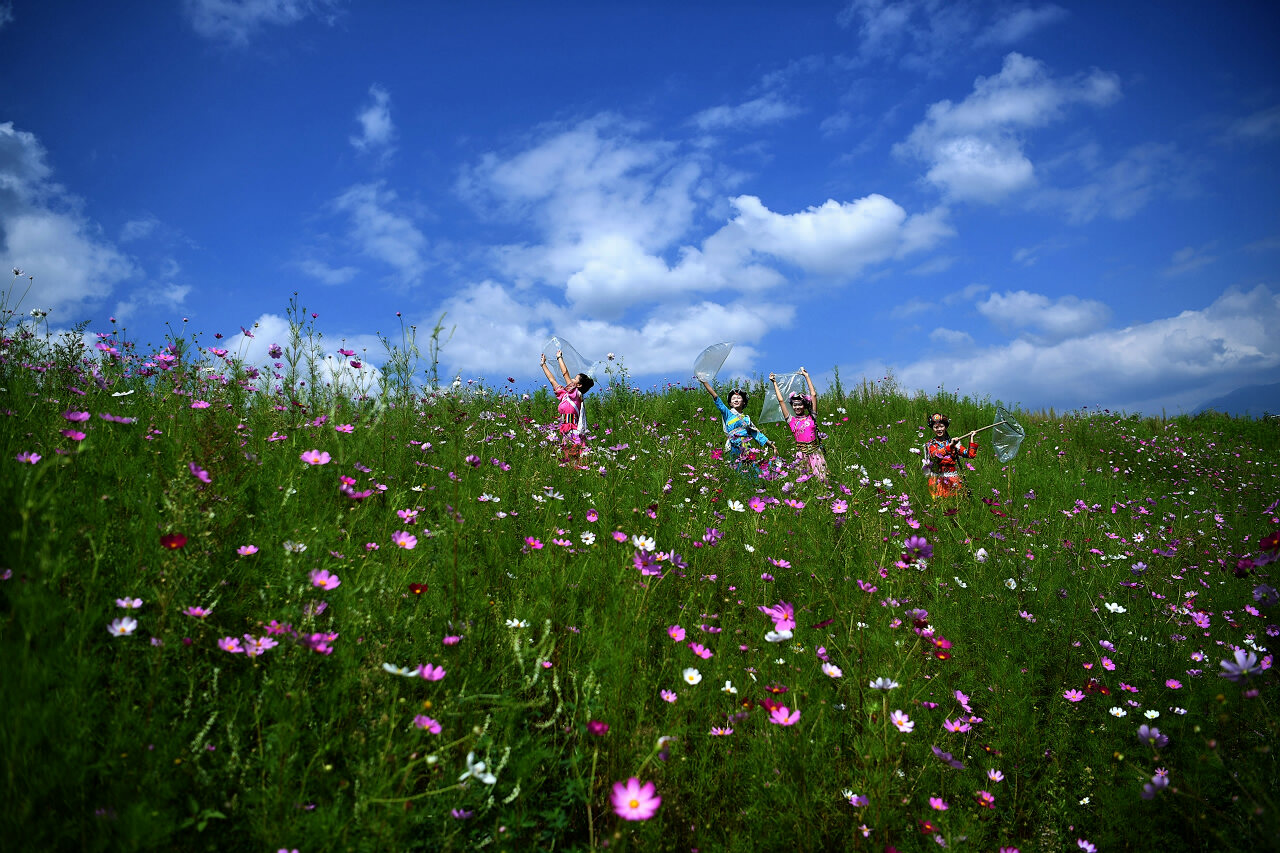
column 476, row 770
column 883, row 683
column 691, row 676
column 737, row 506
column 644, row 543
column 588, row 538
column 1115, row 608
column 729, row 688
column 980, row 555
column 399, row 670
column 1151, row 714
column 832, row 670
column 778, row 636
column 1011, row 583
column 1117, row 711
column 751, row 549
column 517, row 623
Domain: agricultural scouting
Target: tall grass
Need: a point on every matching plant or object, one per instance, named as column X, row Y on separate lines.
column 1117, row 556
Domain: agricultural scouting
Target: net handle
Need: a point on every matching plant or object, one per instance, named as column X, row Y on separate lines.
column 992, row 426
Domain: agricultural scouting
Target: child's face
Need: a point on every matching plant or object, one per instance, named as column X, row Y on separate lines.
column 939, row 429
column 736, row 401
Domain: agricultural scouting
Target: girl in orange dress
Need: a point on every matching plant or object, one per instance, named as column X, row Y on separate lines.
column 942, row 456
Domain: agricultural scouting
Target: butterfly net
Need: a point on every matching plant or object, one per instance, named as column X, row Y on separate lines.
column 711, row 360
column 1007, row 435
column 788, row 384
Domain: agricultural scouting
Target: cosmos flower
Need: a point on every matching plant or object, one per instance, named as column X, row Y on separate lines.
column 883, row 684
column 122, row 627
column 782, row 716
column 691, row 675
column 902, row 721
column 1244, row 665
column 635, row 801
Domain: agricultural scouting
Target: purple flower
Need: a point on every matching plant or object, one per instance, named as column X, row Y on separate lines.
column 1244, row 665
column 919, row 547
column 1148, row 734
column 199, row 473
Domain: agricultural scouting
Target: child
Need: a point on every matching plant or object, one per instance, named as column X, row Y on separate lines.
column 572, row 422
column 738, row 428
column 941, row 456
column 804, row 428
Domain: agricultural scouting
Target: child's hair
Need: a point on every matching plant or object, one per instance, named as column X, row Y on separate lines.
column 938, row 417
column 746, row 398
column 585, row 383
column 801, row 399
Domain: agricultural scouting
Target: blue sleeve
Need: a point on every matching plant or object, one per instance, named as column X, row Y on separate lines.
column 725, row 412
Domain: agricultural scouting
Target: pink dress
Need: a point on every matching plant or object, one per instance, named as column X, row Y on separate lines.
column 570, row 409
column 805, row 431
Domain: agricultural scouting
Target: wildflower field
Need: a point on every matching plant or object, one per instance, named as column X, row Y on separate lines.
column 240, row 618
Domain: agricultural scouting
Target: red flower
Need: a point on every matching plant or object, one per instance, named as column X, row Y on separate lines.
column 1271, row 542
column 417, row 588
column 173, row 541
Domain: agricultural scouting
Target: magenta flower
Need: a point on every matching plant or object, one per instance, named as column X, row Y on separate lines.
column 531, row 542
column 958, row 726
column 255, row 646
column 76, row 417
column 938, row 804
column 592, row 515
column 200, row 404
column 676, row 633
column 986, row 800
column 129, row 603
column 230, row 644
column 452, row 640
column 839, row 507
column 783, row 615
column 424, row 722
column 199, row 473
column 246, row 550
column 405, row 540
column 430, row 672
column 919, row 547
column 315, row 457
column 597, row 728
column 324, row 579
column 782, row 716
column 757, row 504
column 701, row 650
column 902, row 721
column 634, row 801
column 197, row 612
column 668, row 696
column 1073, row 695
column 1173, row 684
column 347, row 428
column 28, row 458
column 74, row 435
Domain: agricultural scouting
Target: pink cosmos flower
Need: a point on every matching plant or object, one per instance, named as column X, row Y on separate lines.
column 634, row 801
column 74, row 435
column 676, row 633
column 1073, row 695
column 718, row 731
column 452, row 640
column 783, row 615
column 598, row 728
column 76, row 417
column 315, row 457
column 832, row 670
column 324, row 579
column 230, row 644
column 958, row 726
column 668, row 696
column 199, row 473
column 424, row 722
column 200, row 404
column 246, row 550
column 782, row 716
column 533, row 543
column 255, row 646
column 757, row 504
column 701, row 650
column 619, row 536
column 405, row 540
column 197, row 612
column 1173, row 684
column 28, row 458
column 129, row 603
column 839, row 507
column 348, row 428
column 431, row 672
column 938, row 804
column 592, row 515
column 986, row 800
column 995, row 775
column 902, row 721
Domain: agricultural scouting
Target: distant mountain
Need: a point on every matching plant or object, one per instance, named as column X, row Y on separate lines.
column 1252, row 400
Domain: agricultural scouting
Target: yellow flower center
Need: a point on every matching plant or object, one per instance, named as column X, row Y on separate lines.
column 635, row 804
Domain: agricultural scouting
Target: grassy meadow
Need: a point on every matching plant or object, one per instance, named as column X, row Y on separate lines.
column 240, row 618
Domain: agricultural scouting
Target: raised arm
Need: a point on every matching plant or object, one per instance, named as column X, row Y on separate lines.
column 563, row 367
column 546, row 368
column 710, row 390
column 786, row 410
column 813, row 395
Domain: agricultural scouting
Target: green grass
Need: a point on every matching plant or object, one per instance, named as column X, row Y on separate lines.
column 161, row 740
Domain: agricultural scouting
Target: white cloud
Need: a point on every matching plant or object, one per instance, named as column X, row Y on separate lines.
column 1261, row 126
column 382, row 232
column 377, row 131
column 1052, row 319
column 915, row 305
column 165, row 297
column 951, row 338
column 1122, row 189
column 1016, row 24
column 43, row 233
column 1177, row 362
column 767, row 109
column 498, row 333
column 326, row 274
column 332, row 367
column 1188, row 259
column 235, row 21
column 917, row 34
column 975, row 148
column 138, row 229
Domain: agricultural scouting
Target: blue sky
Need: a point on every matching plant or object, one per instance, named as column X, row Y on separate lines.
column 1047, row 204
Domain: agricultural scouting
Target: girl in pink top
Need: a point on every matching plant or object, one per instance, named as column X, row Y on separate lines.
column 804, row 428
column 572, row 422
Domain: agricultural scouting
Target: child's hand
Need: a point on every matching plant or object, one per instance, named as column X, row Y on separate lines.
column 773, row 377
column 544, row 358
column 559, row 354
column 804, row 373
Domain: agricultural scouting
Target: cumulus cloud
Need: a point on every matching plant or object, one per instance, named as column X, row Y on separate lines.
column 1049, row 319
column 332, row 368
column 497, row 329
column 767, row 109
column 1175, row 362
column 621, row 222
column 974, row 149
column 377, row 131
column 235, row 21
column 43, row 232
column 383, row 231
